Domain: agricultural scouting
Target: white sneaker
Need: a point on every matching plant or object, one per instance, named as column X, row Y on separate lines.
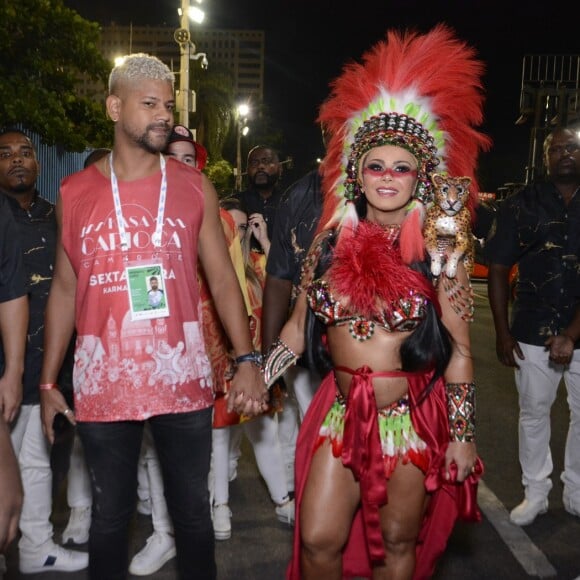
column 77, row 529
column 571, row 505
column 286, row 512
column 160, row 548
column 222, row 522
column 52, row 558
column 525, row 513
column 144, row 506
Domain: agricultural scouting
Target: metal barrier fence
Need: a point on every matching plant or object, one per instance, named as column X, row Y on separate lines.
column 55, row 164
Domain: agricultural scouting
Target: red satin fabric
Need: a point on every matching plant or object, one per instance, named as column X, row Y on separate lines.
column 362, row 452
column 449, row 500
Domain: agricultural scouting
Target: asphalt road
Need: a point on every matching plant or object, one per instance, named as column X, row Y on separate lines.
column 260, row 546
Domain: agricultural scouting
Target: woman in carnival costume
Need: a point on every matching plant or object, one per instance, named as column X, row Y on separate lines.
column 386, row 459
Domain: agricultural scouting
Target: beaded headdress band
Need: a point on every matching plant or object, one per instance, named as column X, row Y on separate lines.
column 419, row 92
column 393, row 129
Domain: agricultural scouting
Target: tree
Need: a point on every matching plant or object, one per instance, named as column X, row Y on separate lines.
column 47, row 49
column 215, row 105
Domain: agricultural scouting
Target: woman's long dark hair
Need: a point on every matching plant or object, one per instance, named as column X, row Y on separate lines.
column 428, row 347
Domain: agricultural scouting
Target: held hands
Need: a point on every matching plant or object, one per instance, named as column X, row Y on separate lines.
column 53, row 402
column 248, row 394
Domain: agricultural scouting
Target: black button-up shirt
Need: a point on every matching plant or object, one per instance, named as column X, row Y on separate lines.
column 535, row 229
column 37, row 237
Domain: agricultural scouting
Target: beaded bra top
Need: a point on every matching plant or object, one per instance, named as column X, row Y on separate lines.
column 403, row 315
column 368, row 285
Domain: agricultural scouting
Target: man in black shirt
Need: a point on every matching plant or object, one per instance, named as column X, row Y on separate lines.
column 262, row 196
column 35, row 218
column 538, row 228
column 294, row 229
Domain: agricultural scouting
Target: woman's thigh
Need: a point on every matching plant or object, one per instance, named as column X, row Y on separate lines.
column 401, row 517
column 331, row 497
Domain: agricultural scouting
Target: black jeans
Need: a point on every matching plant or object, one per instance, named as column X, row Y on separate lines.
column 183, row 443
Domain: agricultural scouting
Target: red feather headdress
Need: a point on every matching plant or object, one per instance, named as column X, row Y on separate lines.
column 420, row 92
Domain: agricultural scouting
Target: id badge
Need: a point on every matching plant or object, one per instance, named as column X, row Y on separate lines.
column 147, row 296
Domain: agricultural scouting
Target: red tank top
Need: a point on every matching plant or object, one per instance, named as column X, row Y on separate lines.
column 124, row 369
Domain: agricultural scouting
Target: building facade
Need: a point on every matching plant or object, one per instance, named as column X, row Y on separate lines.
column 239, row 51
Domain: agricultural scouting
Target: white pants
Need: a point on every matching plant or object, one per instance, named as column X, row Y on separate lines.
column 262, row 432
column 159, row 512
column 33, row 452
column 302, row 384
column 78, row 491
column 537, row 381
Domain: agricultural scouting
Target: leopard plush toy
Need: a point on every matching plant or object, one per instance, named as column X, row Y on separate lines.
column 447, row 229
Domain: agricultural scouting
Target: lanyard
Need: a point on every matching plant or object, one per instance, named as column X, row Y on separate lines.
column 156, row 239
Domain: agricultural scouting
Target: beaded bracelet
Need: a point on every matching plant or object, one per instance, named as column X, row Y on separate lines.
column 48, row 386
column 253, row 357
column 461, row 411
column 279, row 358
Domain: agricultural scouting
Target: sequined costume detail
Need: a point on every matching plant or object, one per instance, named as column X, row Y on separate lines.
column 399, row 440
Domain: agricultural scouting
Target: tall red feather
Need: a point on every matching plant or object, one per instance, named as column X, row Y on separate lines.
column 436, row 66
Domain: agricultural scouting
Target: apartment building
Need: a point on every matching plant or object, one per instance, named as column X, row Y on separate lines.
column 240, row 51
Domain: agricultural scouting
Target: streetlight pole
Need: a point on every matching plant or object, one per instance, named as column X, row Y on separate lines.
column 239, row 155
column 184, row 44
column 241, row 113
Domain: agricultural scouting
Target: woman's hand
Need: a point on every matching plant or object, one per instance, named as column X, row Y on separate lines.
column 259, row 230
column 464, row 456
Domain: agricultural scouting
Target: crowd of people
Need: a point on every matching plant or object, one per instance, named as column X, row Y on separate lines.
column 308, row 320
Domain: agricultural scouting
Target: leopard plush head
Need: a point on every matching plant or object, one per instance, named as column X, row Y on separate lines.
column 450, row 193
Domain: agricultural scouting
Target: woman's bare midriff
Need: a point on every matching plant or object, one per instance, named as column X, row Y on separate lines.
column 380, row 353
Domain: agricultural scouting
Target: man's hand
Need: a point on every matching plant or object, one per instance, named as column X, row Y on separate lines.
column 506, row 348
column 53, row 402
column 561, row 349
column 248, row 394
column 10, row 397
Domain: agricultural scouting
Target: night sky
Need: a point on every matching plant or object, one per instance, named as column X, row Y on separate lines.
column 308, row 41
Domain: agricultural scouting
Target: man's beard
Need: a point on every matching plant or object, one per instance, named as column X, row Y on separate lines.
column 268, row 184
column 147, row 143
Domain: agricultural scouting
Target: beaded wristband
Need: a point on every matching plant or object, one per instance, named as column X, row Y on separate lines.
column 48, row 386
column 253, row 357
column 461, row 411
column 279, row 358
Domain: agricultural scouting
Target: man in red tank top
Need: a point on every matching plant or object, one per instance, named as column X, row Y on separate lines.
column 129, row 218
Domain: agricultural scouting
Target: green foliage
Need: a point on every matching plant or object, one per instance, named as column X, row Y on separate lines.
column 220, row 173
column 47, row 49
column 215, row 105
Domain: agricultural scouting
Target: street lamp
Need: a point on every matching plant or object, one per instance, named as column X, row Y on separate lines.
column 183, row 38
column 242, row 113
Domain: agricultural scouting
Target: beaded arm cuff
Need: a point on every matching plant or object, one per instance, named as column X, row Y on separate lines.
column 278, row 359
column 461, row 411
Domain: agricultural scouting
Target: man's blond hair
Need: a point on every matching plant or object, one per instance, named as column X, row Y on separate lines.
column 139, row 66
